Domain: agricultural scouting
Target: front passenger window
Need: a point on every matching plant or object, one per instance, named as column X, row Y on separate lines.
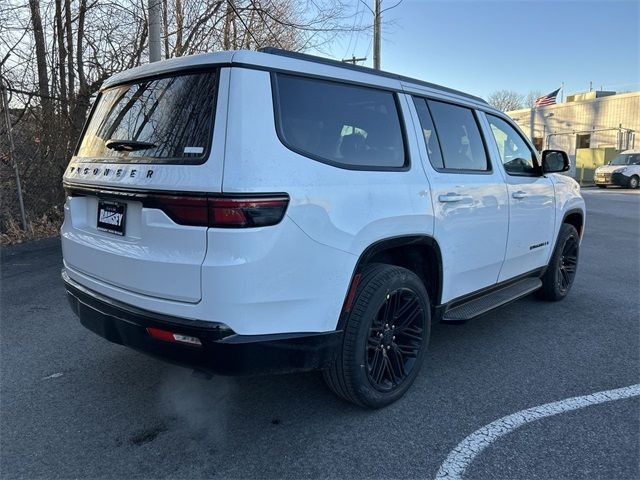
column 516, row 156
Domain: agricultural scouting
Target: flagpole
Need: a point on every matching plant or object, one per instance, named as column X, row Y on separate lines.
column 562, row 92
column 531, row 121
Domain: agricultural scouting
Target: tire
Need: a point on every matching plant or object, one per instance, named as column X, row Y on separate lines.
column 561, row 271
column 602, row 186
column 386, row 334
column 633, row 182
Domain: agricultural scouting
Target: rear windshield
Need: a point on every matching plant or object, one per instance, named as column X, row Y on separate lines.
column 162, row 120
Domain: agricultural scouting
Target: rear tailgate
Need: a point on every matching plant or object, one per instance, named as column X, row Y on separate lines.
column 145, row 140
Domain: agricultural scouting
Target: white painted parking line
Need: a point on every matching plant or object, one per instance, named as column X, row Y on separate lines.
column 468, row 449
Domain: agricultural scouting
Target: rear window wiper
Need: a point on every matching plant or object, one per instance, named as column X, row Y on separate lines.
column 128, row 145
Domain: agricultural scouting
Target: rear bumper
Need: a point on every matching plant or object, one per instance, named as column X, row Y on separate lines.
column 222, row 351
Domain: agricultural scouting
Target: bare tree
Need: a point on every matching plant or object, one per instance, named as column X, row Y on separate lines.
column 505, row 100
column 55, row 55
column 530, row 99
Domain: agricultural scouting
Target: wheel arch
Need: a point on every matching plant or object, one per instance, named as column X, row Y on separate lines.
column 419, row 253
column 575, row 217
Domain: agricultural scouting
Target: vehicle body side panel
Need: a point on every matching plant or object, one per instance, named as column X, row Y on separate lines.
column 531, row 217
column 344, row 209
column 568, row 200
column 471, row 233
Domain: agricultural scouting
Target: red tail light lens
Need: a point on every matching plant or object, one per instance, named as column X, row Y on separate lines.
column 182, row 210
column 222, row 212
column 246, row 212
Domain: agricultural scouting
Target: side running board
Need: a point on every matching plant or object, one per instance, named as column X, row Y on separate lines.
column 489, row 301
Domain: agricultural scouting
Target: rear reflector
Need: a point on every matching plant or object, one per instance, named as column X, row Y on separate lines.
column 352, row 292
column 167, row 336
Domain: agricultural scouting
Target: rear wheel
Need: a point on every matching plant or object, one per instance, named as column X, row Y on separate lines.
column 633, row 182
column 602, row 186
column 385, row 338
column 561, row 271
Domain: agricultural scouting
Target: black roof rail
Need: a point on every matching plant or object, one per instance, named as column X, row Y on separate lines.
column 336, row 63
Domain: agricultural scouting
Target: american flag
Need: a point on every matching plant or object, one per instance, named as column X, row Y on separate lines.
column 549, row 99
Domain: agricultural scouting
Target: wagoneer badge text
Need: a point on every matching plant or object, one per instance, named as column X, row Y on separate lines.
column 109, row 172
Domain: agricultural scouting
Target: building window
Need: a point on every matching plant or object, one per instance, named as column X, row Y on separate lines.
column 583, row 141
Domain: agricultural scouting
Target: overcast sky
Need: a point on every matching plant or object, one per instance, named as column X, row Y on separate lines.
column 482, row 46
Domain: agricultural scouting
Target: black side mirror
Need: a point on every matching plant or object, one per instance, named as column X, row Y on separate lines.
column 554, row 161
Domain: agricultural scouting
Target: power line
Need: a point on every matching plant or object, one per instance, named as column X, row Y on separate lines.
column 355, row 43
column 355, row 20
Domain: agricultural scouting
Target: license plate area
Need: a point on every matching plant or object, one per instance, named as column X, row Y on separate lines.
column 111, row 217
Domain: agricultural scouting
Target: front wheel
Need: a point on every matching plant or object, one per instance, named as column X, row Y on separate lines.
column 385, row 337
column 561, row 271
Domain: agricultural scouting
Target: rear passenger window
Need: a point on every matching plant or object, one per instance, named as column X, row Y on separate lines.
column 459, row 136
column 339, row 124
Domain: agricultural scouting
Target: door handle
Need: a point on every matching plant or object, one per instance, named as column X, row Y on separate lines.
column 519, row 194
column 451, row 197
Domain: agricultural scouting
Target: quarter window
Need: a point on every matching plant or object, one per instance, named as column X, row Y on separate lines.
column 516, row 156
column 460, row 140
column 343, row 125
column 429, row 133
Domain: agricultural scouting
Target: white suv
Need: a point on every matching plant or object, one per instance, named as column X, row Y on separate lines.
column 263, row 212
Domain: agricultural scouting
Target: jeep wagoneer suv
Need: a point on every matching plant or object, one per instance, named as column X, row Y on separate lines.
column 262, row 212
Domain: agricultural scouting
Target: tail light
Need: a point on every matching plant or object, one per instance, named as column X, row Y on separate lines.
column 222, row 212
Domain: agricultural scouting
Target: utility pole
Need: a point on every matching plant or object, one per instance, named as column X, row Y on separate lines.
column 376, row 34
column 353, row 60
column 12, row 150
column 155, row 16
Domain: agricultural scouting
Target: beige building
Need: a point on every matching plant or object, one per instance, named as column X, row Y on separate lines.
column 591, row 120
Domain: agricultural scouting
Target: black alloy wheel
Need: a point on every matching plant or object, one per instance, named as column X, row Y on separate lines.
column 563, row 265
column 386, row 333
column 395, row 338
column 568, row 264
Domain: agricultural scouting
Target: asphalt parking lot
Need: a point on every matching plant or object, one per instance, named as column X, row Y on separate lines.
column 75, row 406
